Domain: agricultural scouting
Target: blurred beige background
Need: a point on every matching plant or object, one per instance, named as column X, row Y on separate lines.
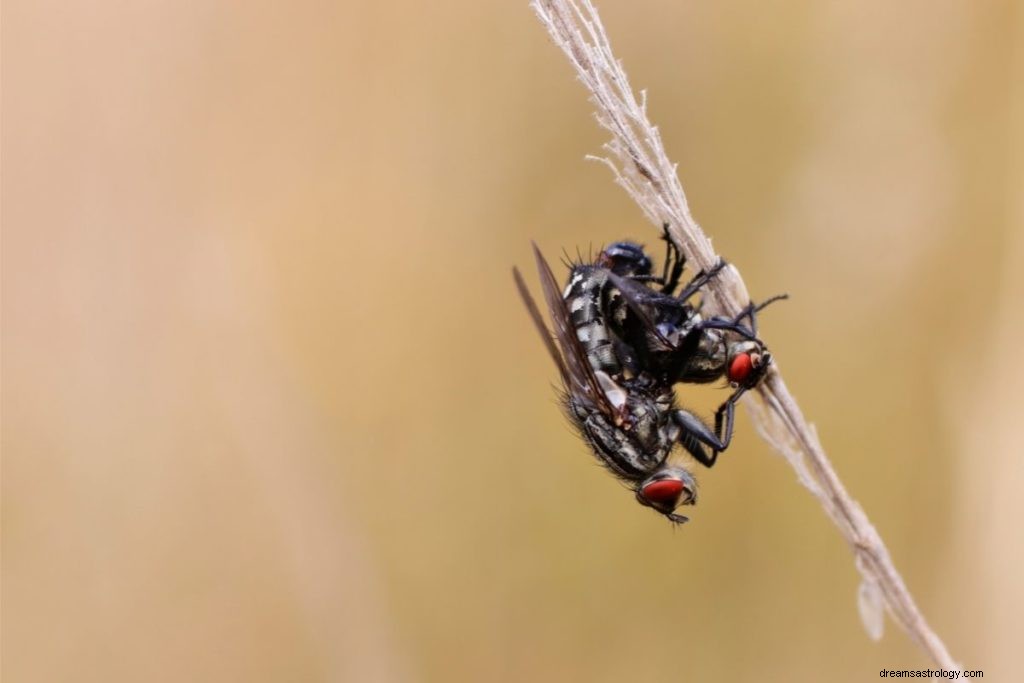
column 272, row 410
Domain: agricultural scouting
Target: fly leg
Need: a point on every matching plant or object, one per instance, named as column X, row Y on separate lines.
column 725, row 415
column 727, row 324
column 736, row 325
column 672, row 255
column 696, row 435
column 701, row 279
column 750, row 311
column 665, row 299
column 671, row 271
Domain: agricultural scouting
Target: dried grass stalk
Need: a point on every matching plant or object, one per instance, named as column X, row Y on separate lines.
column 637, row 158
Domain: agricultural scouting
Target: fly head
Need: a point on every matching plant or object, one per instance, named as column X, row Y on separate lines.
column 666, row 490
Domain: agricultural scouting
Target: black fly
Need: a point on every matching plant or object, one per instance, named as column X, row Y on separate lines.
column 621, row 345
column 672, row 342
column 627, row 421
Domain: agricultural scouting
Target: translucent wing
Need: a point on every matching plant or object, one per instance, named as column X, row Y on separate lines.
column 583, row 383
column 577, row 375
column 634, row 295
column 538, row 322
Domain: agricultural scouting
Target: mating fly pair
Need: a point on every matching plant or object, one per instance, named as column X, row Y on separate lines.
column 622, row 345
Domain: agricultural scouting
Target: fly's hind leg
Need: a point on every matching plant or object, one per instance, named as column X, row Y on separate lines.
column 670, row 277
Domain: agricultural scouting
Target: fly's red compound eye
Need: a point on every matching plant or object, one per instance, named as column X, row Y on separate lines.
column 740, row 368
column 665, row 491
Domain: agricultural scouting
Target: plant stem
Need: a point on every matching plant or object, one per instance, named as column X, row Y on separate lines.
column 637, row 158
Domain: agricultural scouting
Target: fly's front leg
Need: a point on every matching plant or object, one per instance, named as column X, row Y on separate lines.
column 736, row 325
column 727, row 324
column 718, row 440
column 750, row 311
column 701, row 279
column 696, row 435
column 725, row 416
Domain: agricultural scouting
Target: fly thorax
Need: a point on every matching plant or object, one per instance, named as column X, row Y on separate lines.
column 617, row 449
column 712, row 348
column 646, row 429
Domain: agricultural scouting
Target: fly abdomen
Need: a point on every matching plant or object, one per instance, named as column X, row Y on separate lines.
column 583, row 297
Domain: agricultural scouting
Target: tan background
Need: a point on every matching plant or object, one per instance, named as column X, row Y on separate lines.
column 272, row 411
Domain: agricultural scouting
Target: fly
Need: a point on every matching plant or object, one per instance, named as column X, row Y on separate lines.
column 620, row 345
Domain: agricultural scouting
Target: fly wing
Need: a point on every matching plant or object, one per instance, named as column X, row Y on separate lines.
column 538, row 322
column 632, row 292
column 579, row 377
